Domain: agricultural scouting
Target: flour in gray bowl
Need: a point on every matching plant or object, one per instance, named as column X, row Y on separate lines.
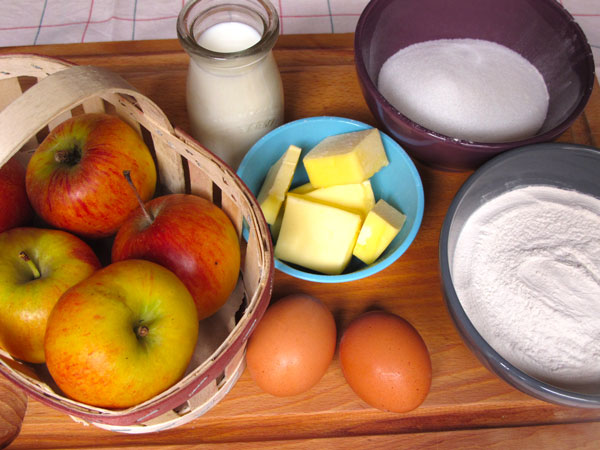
column 526, row 270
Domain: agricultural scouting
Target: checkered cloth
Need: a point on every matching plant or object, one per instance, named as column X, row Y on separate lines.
column 31, row 22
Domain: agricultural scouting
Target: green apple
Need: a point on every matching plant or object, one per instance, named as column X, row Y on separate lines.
column 121, row 336
column 36, row 267
column 74, row 179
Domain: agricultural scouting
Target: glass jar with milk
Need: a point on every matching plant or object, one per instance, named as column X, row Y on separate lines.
column 234, row 90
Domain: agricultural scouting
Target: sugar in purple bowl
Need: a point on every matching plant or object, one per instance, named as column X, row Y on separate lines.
column 458, row 106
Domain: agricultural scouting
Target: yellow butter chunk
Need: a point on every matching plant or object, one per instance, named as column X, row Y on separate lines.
column 316, row 236
column 303, row 188
column 277, row 182
column 345, row 158
column 380, row 227
column 354, row 197
column 275, row 227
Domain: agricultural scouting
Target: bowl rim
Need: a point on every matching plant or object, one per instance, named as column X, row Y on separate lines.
column 482, row 350
column 378, row 265
column 368, row 84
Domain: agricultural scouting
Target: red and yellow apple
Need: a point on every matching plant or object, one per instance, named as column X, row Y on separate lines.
column 190, row 236
column 36, row 267
column 121, row 336
column 15, row 209
column 75, row 179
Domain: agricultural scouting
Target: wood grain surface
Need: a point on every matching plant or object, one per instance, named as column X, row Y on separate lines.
column 468, row 407
column 13, row 405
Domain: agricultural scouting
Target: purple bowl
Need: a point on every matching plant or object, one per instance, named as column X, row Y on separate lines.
column 542, row 31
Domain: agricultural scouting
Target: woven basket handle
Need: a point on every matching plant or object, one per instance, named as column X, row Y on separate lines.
column 63, row 90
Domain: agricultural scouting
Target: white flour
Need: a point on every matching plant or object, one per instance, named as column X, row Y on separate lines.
column 466, row 88
column 527, row 271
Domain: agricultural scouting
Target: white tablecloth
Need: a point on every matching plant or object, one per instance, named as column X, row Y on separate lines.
column 31, row 22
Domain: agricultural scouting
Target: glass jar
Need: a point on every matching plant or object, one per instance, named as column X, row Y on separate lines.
column 234, row 90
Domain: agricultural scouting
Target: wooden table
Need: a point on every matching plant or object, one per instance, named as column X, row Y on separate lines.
column 468, row 406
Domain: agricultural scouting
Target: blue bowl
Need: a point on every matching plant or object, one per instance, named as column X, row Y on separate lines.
column 399, row 184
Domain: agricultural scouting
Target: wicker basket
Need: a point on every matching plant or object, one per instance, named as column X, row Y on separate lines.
column 37, row 93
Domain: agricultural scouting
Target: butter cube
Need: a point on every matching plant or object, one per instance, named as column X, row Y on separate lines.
column 316, row 236
column 303, row 188
column 355, row 197
column 345, row 158
column 380, row 227
column 275, row 227
column 277, row 182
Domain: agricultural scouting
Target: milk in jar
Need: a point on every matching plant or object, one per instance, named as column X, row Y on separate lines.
column 234, row 90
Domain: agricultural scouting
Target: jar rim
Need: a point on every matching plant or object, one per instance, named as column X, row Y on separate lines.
column 267, row 40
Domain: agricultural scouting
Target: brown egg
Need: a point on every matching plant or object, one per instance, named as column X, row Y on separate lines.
column 385, row 362
column 292, row 346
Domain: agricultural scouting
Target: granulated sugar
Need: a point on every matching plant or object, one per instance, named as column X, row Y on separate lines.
column 466, row 88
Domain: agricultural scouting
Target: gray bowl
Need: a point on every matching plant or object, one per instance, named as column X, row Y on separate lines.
column 566, row 166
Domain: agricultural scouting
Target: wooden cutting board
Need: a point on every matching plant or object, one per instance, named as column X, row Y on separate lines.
column 467, row 405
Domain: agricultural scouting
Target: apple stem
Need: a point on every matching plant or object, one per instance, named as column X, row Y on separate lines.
column 69, row 157
column 142, row 331
column 34, row 269
column 127, row 176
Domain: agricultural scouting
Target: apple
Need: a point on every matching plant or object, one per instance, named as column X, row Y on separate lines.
column 15, row 209
column 190, row 236
column 121, row 336
column 36, row 267
column 74, row 179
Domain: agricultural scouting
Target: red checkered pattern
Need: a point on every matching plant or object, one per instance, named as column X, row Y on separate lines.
column 32, row 22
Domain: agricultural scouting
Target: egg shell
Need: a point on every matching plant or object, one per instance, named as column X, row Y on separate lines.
column 386, row 362
column 292, row 346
